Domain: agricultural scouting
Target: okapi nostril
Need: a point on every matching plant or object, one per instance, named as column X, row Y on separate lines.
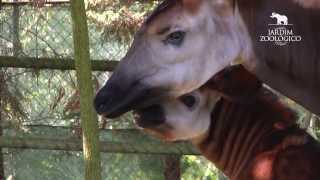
column 101, row 107
column 102, row 101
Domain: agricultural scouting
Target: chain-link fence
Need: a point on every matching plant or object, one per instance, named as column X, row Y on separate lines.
column 45, row 103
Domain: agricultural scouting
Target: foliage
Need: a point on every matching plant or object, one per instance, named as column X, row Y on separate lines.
column 118, row 20
column 193, row 166
column 50, row 97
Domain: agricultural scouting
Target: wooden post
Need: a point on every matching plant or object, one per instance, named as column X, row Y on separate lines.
column 171, row 167
column 1, row 130
column 89, row 121
column 16, row 24
column 221, row 176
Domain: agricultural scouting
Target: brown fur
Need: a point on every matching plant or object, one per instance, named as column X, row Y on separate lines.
column 252, row 136
column 234, row 83
column 293, row 69
column 270, row 152
column 192, row 5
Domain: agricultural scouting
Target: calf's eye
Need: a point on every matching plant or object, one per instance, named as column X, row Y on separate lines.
column 176, row 38
column 188, row 100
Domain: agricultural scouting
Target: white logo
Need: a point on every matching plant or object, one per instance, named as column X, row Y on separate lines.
column 281, row 19
column 281, row 32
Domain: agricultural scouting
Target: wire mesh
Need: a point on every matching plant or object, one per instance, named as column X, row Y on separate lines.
column 49, row 99
column 34, row 97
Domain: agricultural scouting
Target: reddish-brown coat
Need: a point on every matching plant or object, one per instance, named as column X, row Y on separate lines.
column 283, row 152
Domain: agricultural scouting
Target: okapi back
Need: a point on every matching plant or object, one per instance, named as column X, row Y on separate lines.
column 253, row 136
column 292, row 69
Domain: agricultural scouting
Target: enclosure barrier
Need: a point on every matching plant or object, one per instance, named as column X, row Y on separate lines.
column 53, row 63
column 35, row 38
column 139, row 143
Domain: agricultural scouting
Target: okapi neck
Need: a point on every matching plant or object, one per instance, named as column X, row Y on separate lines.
column 240, row 131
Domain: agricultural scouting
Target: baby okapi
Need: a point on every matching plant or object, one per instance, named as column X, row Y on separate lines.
column 245, row 130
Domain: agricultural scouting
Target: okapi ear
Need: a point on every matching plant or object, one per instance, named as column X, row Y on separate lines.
column 235, row 83
column 192, row 5
column 309, row 3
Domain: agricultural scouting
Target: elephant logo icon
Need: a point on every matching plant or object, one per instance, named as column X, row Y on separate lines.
column 280, row 33
column 281, row 19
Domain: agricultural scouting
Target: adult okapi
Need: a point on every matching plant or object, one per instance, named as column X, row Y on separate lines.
column 183, row 43
column 249, row 136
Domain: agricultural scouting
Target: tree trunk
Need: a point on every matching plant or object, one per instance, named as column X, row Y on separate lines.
column 89, row 120
column 171, row 167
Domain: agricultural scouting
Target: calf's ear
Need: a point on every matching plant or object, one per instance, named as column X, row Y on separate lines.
column 235, row 83
column 224, row 7
column 192, row 5
column 221, row 6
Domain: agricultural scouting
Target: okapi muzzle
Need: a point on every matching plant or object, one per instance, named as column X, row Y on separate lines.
column 128, row 85
column 122, row 94
column 248, row 137
column 126, row 89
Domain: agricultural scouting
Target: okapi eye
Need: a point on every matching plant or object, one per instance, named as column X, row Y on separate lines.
column 188, row 100
column 175, row 38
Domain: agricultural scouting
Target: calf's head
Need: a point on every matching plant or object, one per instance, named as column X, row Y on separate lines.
column 189, row 116
column 183, row 118
column 176, row 50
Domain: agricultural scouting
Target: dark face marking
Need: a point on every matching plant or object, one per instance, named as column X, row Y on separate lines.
column 149, row 117
column 112, row 92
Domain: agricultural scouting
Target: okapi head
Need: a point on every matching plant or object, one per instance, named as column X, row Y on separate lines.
column 176, row 50
column 183, row 118
column 183, row 43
